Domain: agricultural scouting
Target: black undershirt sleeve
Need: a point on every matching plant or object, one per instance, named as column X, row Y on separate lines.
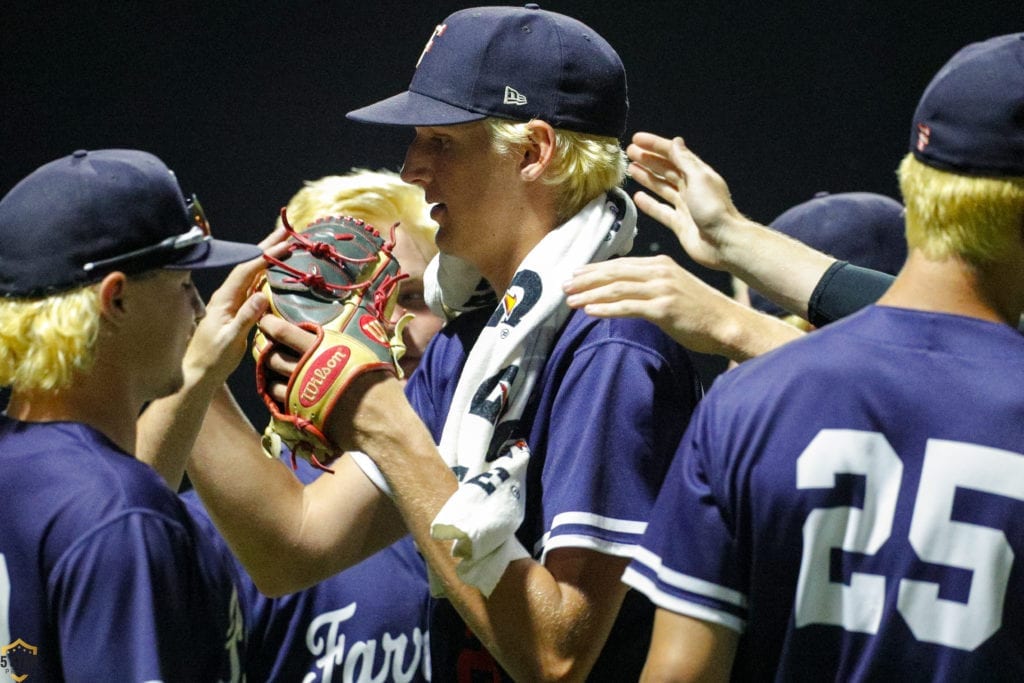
column 845, row 289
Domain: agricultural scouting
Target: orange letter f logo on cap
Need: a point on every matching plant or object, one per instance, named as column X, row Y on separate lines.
column 438, row 30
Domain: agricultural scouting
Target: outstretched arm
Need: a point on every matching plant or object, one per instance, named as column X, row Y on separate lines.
column 542, row 621
column 287, row 535
column 689, row 310
column 697, row 206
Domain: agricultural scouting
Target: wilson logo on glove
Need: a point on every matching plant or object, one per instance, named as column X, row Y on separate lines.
column 322, row 374
column 373, row 330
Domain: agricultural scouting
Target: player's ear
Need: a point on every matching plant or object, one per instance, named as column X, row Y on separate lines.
column 539, row 151
column 111, row 290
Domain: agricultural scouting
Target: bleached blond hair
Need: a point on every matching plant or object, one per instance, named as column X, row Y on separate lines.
column 583, row 165
column 948, row 214
column 45, row 343
column 372, row 196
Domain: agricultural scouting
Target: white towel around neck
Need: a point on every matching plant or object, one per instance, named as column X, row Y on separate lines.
column 481, row 441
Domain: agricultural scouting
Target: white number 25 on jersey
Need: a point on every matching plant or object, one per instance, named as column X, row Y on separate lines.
column 935, row 537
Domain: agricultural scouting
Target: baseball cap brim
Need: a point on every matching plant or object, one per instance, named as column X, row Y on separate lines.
column 215, row 254
column 413, row 109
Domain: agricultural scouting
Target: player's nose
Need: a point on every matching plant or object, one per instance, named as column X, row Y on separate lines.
column 416, row 167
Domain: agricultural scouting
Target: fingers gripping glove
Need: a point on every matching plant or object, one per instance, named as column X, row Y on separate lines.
column 339, row 281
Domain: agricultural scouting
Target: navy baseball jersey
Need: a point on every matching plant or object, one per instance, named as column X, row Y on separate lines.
column 367, row 623
column 605, row 418
column 103, row 575
column 853, row 505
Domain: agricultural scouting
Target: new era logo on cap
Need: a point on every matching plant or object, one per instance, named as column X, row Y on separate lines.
column 513, row 96
column 564, row 73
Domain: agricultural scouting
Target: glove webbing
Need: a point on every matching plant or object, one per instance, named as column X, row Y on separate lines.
column 323, row 250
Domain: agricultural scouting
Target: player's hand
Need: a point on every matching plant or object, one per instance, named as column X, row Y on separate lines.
column 657, row 289
column 290, row 342
column 686, row 308
column 219, row 341
column 697, row 205
column 368, row 408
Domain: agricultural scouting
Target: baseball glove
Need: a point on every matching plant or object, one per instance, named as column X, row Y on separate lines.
column 339, row 281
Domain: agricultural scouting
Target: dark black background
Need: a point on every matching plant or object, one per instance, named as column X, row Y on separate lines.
column 246, row 100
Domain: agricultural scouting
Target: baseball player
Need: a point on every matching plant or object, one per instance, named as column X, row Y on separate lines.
column 371, row 620
column 485, row 153
column 581, row 414
column 103, row 576
column 847, row 507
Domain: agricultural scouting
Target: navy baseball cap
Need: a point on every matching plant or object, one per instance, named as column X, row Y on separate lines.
column 517, row 63
column 970, row 119
column 863, row 228
column 74, row 220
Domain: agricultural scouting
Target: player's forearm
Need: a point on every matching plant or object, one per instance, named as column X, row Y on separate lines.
column 536, row 627
column 168, row 428
column 716, row 324
column 288, row 535
column 783, row 269
column 256, row 504
column 685, row 650
column 239, row 487
column 752, row 333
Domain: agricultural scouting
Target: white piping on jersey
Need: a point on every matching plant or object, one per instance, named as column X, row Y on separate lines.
column 591, row 543
column 690, row 583
column 626, row 526
column 645, row 585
